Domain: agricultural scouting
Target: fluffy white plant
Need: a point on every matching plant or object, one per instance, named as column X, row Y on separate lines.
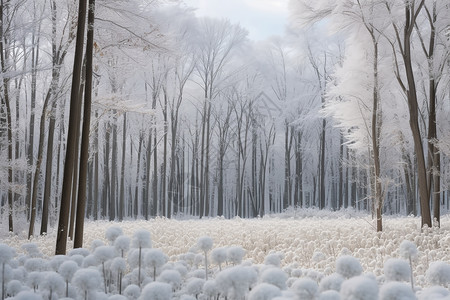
column 235, row 254
column 118, row 267
column 53, row 283
column 408, row 250
column 141, row 239
column 87, row 280
column 171, row 277
column 434, row 292
column 236, row 281
column 205, row 244
column 330, row 295
column 305, row 288
column 132, row 292
column 14, row 287
column 264, row 291
column 67, row 269
column 331, row 282
column 219, row 256
column 438, row 273
column 194, row 286
column 396, row 291
column 103, row 254
column 348, row 266
column 27, row 295
column 122, row 244
column 274, row 276
column 155, row 258
column 156, row 291
column 210, row 289
column 273, row 259
column 6, row 254
column 112, row 233
column 359, row 288
column 396, row 269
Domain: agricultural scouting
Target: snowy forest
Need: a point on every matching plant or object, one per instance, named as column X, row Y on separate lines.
column 187, row 116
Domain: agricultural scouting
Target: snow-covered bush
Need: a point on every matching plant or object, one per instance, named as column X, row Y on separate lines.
column 396, row 291
column 348, row 266
column 87, row 280
column 305, row 288
column 264, row 291
column 122, row 244
column 112, row 233
column 155, row 258
column 359, row 288
column 438, row 273
column 273, row 259
column 235, row 255
column 205, row 244
column 219, row 256
column 67, row 269
column 194, row 286
column 274, row 276
column 396, row 269
column 171, row 277
column 157, row 291
column 331, row 282
column 132, row 292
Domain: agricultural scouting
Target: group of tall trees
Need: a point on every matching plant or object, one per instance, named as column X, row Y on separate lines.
column 190, row 117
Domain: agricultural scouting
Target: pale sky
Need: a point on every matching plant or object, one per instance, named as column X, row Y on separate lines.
column 262, row 18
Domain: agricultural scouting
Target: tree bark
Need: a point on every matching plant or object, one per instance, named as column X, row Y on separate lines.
column 61, row 240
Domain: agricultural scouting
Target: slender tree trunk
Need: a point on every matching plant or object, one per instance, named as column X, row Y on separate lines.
column 82, row 185
column 61, row 240
column 121, row 207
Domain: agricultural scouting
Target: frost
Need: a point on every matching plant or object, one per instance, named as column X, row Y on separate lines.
column 219, row 256
column 132, row 292
column 435, row 292
column 26, row 295
column 195, row 286
column 122, row 244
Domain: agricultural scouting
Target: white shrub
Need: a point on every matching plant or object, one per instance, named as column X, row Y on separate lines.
column 171, row 277
column 359, row 288
column 438, row 273
column 274, row 276
column 305, row 288
column 331, row 282
column 235, row 255
column 157, row 291
column 396, row 291
column 396, row 269
column 348, row 266
column 330, row 295
column 112, row 233
column 264, row 291
column 132, row 292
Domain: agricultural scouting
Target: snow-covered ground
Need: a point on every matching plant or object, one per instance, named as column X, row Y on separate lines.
column 298, row 255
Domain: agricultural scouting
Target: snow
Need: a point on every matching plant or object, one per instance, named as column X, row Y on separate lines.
column 346, row 259
column 264, row 291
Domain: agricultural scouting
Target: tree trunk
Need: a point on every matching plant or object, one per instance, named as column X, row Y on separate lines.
column 61, row 240
column 82, row 184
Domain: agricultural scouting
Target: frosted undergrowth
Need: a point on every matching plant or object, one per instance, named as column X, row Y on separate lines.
column 286, row 256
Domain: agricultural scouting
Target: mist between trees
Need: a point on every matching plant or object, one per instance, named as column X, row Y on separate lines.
column 189, row 117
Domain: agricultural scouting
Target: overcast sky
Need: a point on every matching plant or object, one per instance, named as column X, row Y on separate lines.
column 262, row 18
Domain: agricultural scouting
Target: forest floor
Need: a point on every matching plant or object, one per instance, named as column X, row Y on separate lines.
column 306, row 239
